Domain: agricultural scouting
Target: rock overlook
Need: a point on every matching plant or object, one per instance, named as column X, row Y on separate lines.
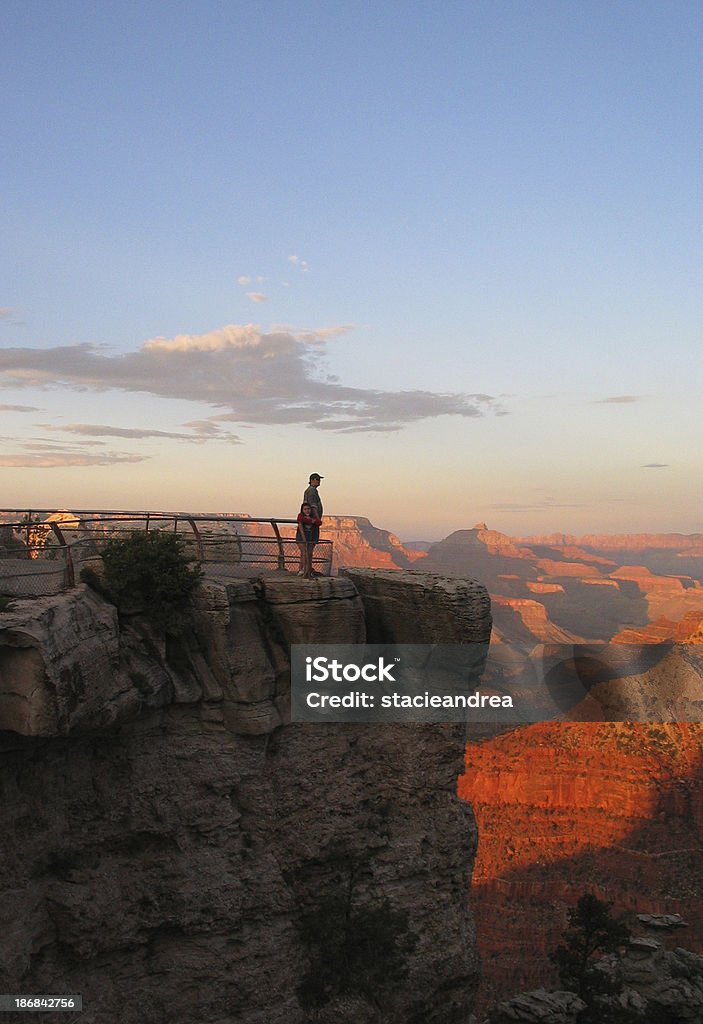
column 164, row 830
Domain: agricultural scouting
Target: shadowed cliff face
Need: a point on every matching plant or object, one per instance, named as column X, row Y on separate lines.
column 163, row 832
column 567, row 808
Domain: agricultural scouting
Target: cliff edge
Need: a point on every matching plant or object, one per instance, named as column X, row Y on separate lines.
column 167, row 838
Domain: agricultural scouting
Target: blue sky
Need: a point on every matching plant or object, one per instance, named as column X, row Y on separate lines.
column 468, row 236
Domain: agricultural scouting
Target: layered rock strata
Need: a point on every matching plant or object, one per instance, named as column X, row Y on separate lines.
column 164, row 831
column 610, row 808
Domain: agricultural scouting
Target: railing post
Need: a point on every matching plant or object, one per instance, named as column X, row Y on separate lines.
column 57, row 530
column 198, row 540
column 281, row 552
column 70, row 570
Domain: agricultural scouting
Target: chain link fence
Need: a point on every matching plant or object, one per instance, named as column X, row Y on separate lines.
column 33, row 561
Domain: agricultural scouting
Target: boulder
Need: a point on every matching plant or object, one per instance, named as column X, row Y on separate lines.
column 538, row 1007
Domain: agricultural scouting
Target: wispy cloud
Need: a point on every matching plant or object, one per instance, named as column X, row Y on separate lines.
column 202, row 430
column 310, row 335
column 251, row 376
column 62, row 459
column 19, row 408
column 52, row 446
column 655, row 465
column 209, row 430
column 256, row 296
column 7, row 316
column 618, row 400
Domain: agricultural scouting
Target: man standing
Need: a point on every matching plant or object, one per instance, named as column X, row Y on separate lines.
column 313, row 499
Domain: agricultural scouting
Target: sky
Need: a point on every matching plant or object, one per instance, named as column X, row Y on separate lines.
column 448, row 255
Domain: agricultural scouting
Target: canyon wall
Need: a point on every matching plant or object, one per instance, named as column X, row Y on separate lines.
column 566, row 808
column 166, row 833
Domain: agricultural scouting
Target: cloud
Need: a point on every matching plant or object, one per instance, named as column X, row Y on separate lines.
column 18, row 408
column 60, row 459
column 7, row 316
column 315, row 334
column 202, row 430
column 244, row 279
column 208, row 430
column 655, row 465
column 52, row 446
column 618, row 400
column 323, row 333
column 247, row 375
column 256, row 296
column 297, row 262
column 232, row 336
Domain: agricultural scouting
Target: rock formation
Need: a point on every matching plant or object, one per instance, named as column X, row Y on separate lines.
column 164, row 832
column 539, row 1007
column 434, row 609
column 646, row 983
column 358, row 542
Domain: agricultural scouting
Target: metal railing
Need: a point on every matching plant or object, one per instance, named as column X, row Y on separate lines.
column 43, row 551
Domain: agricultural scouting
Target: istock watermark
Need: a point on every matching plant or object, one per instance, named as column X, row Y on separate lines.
column 506, row 684
column 391, row 683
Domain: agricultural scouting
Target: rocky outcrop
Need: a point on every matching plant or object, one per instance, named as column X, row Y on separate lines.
column 657, row 984
column 246, row 628
column 524, row 620
column 643, row 983
column 484, row 554
column 435, row 609
column 164, row 834
column 539, row 1007
column 67, row 665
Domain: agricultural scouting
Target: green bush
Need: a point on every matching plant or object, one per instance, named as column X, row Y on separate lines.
column 149, row 573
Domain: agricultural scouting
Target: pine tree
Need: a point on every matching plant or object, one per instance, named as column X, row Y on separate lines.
column 593, row 932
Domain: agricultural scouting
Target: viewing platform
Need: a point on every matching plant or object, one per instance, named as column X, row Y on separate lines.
column 42, row 551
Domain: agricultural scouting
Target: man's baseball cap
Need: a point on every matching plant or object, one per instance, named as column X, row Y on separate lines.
column 316, row 476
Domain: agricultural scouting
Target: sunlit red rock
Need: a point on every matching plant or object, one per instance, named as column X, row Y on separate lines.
column 612, row 808
column 357, row 542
